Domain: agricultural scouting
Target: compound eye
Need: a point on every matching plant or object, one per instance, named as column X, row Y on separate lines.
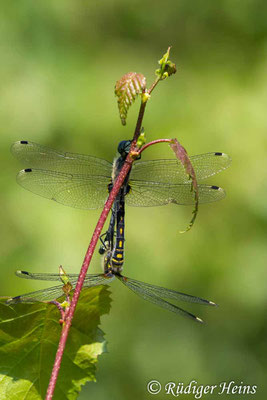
column 124, row 147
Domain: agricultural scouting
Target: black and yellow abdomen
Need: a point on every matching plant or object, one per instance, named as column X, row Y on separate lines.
column 117, row 258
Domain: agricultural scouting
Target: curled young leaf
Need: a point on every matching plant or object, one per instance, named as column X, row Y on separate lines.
column 167, row 67
column 170, row 68
column 126, row 89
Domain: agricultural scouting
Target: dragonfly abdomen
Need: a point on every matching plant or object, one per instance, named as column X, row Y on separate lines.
column 117, row 258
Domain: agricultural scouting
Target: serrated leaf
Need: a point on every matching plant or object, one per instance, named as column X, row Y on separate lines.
column 29, row 335
column 182, row 155
column 126, row 89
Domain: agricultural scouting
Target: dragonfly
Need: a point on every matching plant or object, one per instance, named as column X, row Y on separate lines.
column 112, row 265
column 84, row 181
column 152, row 293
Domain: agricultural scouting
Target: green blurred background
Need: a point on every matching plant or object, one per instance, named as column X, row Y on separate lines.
column 59, row 63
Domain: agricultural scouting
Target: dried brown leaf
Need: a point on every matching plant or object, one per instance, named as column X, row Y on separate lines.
column 182, row 155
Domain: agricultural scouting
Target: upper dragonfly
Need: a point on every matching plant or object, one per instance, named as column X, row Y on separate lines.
column 84, row 181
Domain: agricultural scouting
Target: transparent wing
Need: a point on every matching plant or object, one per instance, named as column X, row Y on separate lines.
column 34, row 155
column 172, row 171
column 72, row 278
column 153, row 297
column 54, row 292
column 48, row 294
column 150, row 194
column 80, row 191
column 167, row 293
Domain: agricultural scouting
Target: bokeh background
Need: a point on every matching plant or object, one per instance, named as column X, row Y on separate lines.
column 59, row 64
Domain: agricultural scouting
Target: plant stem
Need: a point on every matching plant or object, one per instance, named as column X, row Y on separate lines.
column 78, row 288
column 138, row 126
column 99, row 226
column 154, row 84
column 88, row 256
column 154, row 142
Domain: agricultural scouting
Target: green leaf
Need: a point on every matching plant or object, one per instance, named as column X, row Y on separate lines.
column 29, row 335
column 126, row 89
column 167, row 67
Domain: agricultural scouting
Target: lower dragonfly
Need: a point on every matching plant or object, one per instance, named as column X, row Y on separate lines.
column 152, row 293
column 113, row 265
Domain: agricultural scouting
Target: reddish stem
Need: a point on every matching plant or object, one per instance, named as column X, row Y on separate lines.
column 138, row 126
column 154, row 142
column 154, row 84
column 88, row 256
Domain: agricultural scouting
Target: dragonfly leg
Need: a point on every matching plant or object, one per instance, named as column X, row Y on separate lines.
column 108, row 236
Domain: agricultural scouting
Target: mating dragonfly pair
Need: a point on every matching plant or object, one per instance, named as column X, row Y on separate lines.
column 84, row 181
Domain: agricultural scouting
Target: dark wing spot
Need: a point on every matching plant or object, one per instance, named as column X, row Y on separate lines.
column 218, row 154
column 28, row 170
column 24, row 142
column 215, row 187
column 24, row 272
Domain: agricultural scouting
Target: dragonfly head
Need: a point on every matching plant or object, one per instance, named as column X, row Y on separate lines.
column 124, row 147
